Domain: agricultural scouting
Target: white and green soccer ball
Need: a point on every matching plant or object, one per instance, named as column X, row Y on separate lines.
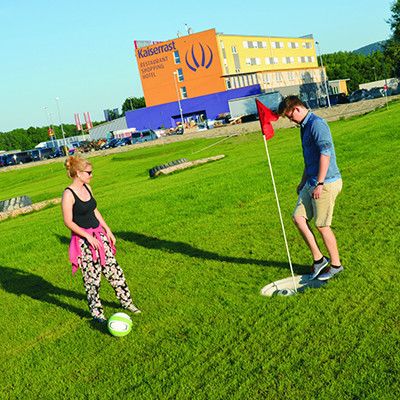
column 119, row 324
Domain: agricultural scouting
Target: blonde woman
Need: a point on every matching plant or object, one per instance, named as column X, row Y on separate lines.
column 92, row 246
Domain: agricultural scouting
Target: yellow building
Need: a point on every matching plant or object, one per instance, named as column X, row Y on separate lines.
column 208, row 62
column 273, row 62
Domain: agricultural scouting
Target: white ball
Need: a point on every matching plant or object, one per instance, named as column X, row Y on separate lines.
column 119, row 324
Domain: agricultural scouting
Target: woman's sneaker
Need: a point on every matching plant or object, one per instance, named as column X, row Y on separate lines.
column 328, row 275
column 133, row 309
column 318, row 267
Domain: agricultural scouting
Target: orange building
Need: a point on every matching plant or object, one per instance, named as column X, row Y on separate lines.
column 188, row 66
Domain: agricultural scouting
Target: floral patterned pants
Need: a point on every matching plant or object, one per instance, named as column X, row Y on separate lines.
column 91, row 273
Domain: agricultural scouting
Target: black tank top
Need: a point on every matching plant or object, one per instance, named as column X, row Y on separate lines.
column 83, row 211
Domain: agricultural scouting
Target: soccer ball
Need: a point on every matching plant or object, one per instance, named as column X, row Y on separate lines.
column 119, row 324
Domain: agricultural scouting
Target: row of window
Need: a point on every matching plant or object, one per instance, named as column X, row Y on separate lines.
column 260, row 45
column 241, row 81
column 275, row 45
column 274, row 60
column 267, row 78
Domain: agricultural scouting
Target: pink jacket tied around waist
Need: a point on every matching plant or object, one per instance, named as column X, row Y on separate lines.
column 75, row 249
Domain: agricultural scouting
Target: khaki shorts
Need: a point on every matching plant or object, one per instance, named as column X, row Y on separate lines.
column 320, row 209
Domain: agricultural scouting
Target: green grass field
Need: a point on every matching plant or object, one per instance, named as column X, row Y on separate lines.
column 196, row 248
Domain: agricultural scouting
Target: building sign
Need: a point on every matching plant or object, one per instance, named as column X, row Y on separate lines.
column 188, row 64
column 192, row 58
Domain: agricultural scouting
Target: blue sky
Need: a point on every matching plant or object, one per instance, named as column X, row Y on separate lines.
column 82, row 51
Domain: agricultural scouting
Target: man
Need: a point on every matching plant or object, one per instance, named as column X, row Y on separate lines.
column 320, row 184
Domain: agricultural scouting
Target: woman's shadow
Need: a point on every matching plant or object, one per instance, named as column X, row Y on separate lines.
column 155, row 243
column 23, row 283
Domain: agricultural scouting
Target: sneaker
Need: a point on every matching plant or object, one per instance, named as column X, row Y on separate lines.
column 133, row 309
column 330, row 273
column 318, row 267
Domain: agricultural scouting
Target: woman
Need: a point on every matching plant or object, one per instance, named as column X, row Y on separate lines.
column 92, row 246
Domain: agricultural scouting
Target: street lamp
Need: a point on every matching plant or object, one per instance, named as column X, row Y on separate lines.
column 50, row 122
column 59, row 118
column 323, row 74
column 178, row 96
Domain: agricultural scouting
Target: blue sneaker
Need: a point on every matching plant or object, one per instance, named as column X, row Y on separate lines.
column 318, row 267
column 328, row 275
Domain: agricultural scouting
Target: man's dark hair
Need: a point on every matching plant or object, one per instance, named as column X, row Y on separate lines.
column 288, row 103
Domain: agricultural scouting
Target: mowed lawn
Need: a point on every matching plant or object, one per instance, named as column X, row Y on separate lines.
column 196, row 248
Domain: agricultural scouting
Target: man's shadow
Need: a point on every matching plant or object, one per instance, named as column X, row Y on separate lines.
column 186, row 249
column 22, row 283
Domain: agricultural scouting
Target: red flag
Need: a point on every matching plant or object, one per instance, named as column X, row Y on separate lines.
column 266, row 116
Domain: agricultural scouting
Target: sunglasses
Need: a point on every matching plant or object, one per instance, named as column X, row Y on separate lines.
column 88, row 172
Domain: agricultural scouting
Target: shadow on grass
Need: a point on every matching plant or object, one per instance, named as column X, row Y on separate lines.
column 63, row 239
column 154, row 243
column 22, row 283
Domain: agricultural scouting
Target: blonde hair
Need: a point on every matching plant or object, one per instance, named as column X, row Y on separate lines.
column 75, row 164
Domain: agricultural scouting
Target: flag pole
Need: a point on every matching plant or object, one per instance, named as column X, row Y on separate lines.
column 280, row 214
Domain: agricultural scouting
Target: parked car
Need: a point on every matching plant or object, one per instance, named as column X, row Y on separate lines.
column 112, row 143
column 124, row 141
column 143, row 136
column 42, row 154
column 357, row 95
column 21, row 157
column 376, row 92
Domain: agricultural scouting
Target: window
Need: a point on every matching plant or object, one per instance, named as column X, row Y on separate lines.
column 254, row 44
column 180, row 75
column 278, row 77
column 288, row 60
column 277, row 45
column 266, row 78
column 253, row 61
column 307, row 45
column 293, row 45
column 177, row 58
column 291, row 76
column 305, row 59
column 271, row 60
column 234, row 51
column 183, row 92
column 228, row 84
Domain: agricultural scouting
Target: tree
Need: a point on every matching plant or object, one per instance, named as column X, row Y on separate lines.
column 133, row 103
column 394, row 21
column 358, row 68
column 392, row 46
